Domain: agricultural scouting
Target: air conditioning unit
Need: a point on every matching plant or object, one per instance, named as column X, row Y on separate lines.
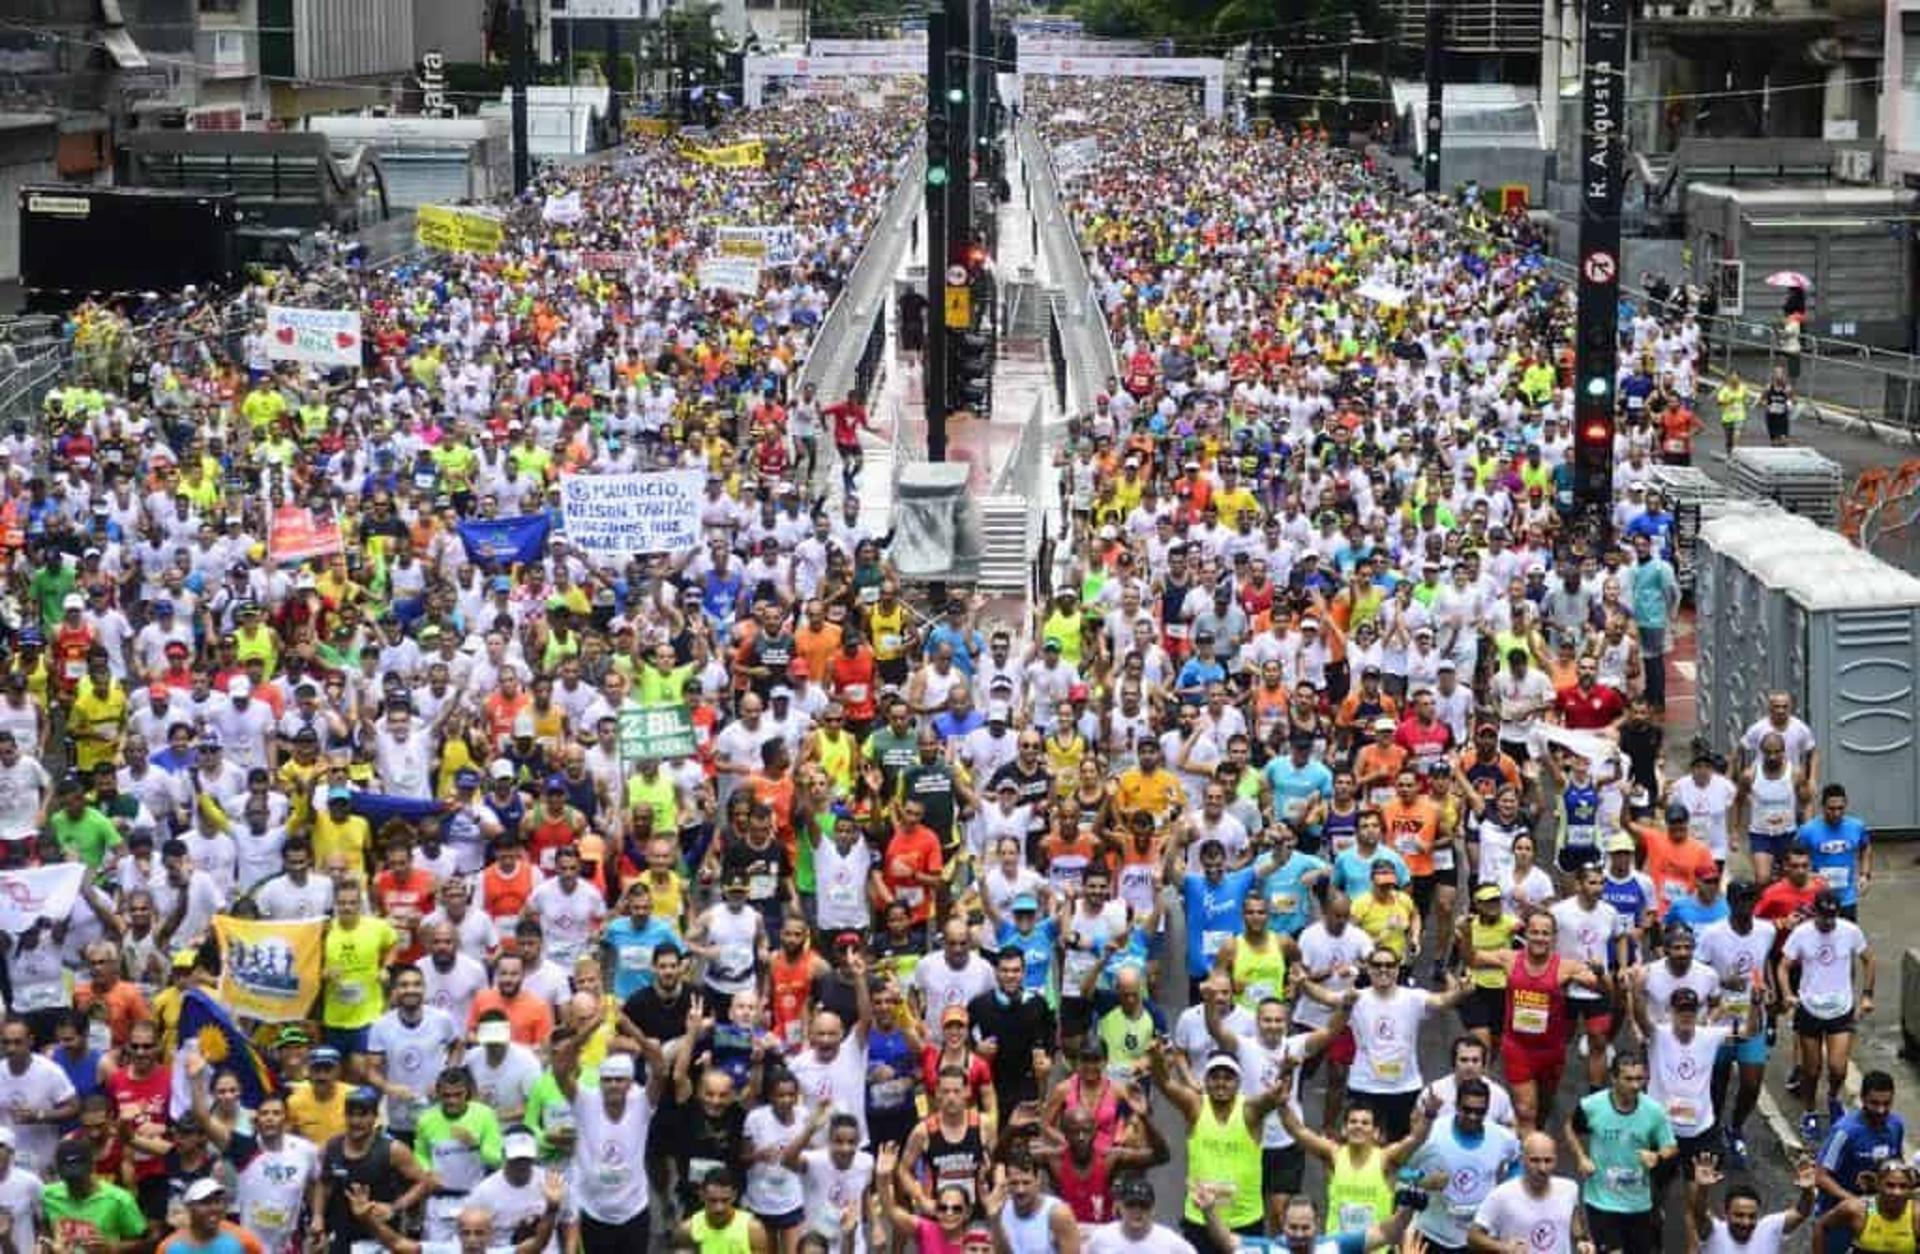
column 1853, row 165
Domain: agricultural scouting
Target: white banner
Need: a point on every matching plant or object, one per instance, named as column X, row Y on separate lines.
column 49, row 892
column 319, row 337
column 1076, row 156
column 770, row 245
column 563, row 210
column 731, row 274
column 613, row 516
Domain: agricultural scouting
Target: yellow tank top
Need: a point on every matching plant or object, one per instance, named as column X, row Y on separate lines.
column 1358, row 1195
column 1495, row 937
column 1258, row 973
column 1222, row 1151
column 1064, row 761
column 258, row 645
column 657, row 795
column 1882, row 1235
column 836, row 759
column 889, row 632
column 732, row 1239
column 1066, row 629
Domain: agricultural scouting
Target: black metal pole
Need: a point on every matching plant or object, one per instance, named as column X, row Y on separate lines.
column 1597, row 341
column 613, row 79
column 940, row 174
column 519, row 70
column 1436, row 70
column 960, row 119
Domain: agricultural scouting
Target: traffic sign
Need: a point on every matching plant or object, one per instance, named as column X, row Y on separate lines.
column 956, row 276
column 1599, row 267
column 959, row 308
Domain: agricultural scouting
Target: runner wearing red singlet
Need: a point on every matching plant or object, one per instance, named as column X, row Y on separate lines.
column 1533, row 1048
column 792, row 971
column 1083, row 1170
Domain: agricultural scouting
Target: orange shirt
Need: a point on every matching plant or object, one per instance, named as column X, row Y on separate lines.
column 1673, row 865
column 1378, row 763
column 1412, row 831
column 913, row 852
column 816, row 648
column 501, row 711
column 126, row 1006
column 528, row 1014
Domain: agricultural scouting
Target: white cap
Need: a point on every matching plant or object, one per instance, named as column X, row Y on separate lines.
column 494, row 1032
column 616, row 1067
column 73, row 601
column 205, row 1189
column 519, row 1145
column 501, row 769
column 239, row 686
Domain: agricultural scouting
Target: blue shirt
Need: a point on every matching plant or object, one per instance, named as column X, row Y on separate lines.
column 1289, row 902
column 1836, row 852
column 1295, row 787
column 1652, row 593
column 947, row 727
column 1855, row 1146
column 1197, row 673
column 633, row 952
column 965, row 645
column 1037, row 948
column 1697, row 914
column 1213, row 914
column 1353, row 870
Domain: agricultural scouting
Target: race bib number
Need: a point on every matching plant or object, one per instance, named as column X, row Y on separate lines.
column 1532, row 1020
column 349, row 992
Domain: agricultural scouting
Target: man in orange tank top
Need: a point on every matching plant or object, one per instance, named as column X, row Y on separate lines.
column 792, row 971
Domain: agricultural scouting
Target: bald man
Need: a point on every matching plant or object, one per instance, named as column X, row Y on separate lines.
column 1537, row 1213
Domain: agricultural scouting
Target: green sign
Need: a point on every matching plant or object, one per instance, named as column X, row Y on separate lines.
column 656, row 731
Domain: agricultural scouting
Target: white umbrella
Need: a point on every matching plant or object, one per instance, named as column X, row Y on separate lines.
column 1788, row 278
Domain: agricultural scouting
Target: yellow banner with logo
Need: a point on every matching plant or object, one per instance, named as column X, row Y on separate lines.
column 458, row 230
column 650, row 126
column 269, row 969
column 748, row 153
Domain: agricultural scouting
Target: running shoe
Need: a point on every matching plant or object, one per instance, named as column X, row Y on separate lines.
column 1810, row 1129
column 1736, row 1151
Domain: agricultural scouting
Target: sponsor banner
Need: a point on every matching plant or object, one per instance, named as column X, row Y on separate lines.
column 769, row 245
column 457, row 230
column 29, row 895
column 750, row 153
column 319, row 337
column 269, row 969
column 613, row 516
column 656, row 731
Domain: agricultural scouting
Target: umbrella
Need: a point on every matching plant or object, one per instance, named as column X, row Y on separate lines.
column 1788, row 278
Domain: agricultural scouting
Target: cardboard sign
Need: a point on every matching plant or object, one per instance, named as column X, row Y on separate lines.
column 731, row 274
column 298, row 536
column 656, row 731
column 318, row 337
column 612, row 517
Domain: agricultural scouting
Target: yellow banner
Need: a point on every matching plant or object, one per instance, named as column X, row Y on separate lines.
column 457, row 230
column 752, row 152
column 650, row 126
column 269, row 970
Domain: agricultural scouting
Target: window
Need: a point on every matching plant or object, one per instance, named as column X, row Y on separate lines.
column 1733, row 286
column 220, row 6
column 229, row 49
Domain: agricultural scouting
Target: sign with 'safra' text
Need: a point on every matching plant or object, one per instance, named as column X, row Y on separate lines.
column 615, row 516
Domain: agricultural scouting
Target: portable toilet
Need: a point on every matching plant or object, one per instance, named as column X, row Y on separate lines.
column 1858, row 626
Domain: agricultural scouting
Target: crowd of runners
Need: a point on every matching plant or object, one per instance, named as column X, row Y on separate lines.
column 952, row 929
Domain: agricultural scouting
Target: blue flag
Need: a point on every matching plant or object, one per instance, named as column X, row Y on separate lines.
column 377, row 807
column 495, row 542
column 206, row 1022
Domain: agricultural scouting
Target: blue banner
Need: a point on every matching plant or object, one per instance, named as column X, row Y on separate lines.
column 499, row 542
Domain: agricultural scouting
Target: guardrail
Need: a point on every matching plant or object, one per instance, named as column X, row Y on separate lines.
column 1086, row 345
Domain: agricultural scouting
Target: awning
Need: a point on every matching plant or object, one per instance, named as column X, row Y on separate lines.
column 120, row 46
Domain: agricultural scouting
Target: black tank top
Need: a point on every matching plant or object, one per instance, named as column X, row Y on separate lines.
column 954, row 1161
column 373, row 1169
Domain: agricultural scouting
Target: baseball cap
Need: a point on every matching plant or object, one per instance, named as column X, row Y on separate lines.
column 1487, row 892
column 205, row 1189
column 73, row 1152
column 73, row 601
column 1025, row 902
column 519, row 1146
column 1826, row 901
column 1678, row 813
column 1684, row 999
column 291, row 1036
column 328, row 1056
column 501, row 769
column 1619, row 842
column 239, row 686
column 617, row 1067
column 1138, row 1190
column 366, row 1096
column 954, row 1014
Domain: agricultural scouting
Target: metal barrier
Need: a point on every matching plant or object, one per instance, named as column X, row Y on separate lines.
column 1057, row 351
column 1086, row 344
column 35, row 370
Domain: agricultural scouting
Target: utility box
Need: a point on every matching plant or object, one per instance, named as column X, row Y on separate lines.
column 937, row 533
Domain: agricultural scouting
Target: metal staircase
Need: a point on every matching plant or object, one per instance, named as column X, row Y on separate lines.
column 1006, row 527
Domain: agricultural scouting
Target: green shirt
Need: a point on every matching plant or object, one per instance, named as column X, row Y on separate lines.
column 458, row 1165
column 87, row 838
column 894, row 754
column 108, row 1213
column 1620, row 1181
column 49, row 587
column 548, row 1111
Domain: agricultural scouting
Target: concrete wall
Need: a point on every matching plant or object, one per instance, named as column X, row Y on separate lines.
column 456, row 27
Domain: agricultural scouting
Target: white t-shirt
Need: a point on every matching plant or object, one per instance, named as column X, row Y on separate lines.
column 1709, row 806
column 1680, row 1074
column 773, row 1189
column 841, row 1082
column 829, row 1189
column 1323, row 952
column 1769, row 1235
column 1826, row 965
column 270, row 1190
column 414, row 1055
column 1584, row 934
column 37, row 1090
column 506, row 1086
column 1798, row 739
column 568, row 920
column 1190, row 1035
column 20, row 1197
column 609, row 1174
column 1112, row 1239
column 280, row 898
column 942, row 986
column 1511, row 1213
column 1737, row 959
column 1662, row 984
column 1386, row 1032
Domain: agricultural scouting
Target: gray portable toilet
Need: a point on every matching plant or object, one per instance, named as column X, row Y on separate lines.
column 1858, row 623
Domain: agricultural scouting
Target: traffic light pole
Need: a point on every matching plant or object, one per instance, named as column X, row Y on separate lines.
column 1436, row 88
column 1597, row 343
column 939, row 175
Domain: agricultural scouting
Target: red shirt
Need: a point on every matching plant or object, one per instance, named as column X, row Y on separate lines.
column 853, row 683
column 1784, row 906
column 404, row 901
column 913, row 851
column 848, row 417
column 141, row 1102
column 1589, row 709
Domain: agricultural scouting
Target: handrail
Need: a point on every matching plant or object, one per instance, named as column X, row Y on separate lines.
column 1091, row 363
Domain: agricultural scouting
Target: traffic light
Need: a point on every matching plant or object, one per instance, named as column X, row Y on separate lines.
column 956, row 77
column 1593, row 441
column 973, row 372
column 937, row 155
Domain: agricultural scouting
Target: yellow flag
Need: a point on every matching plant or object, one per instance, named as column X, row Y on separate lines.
column 751, row 152
column 457, row 230
column 269, row 969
